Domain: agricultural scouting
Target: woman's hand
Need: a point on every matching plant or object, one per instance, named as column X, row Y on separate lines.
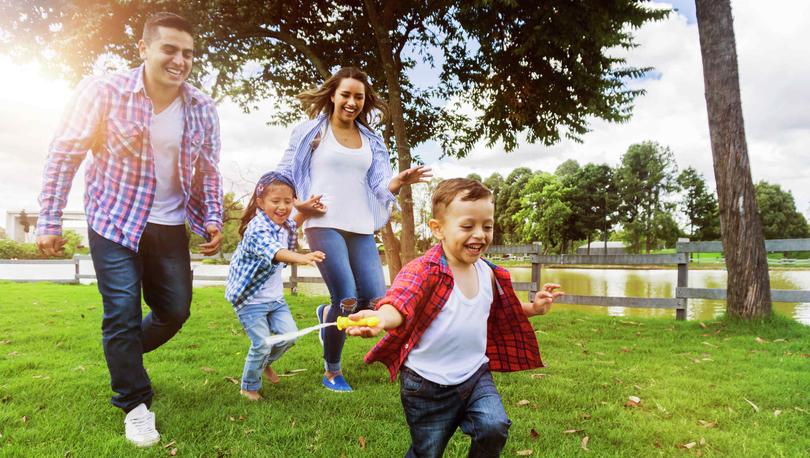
column 413, row 175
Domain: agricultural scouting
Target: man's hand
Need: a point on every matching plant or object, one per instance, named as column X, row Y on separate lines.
column 544, row 298
column 51, row 245
column 211, row 247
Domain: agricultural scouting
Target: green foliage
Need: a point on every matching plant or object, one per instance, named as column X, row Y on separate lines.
column 543, row 213
column 10, row 249
column 777, row 209
column 699, row 205
column 508, row 203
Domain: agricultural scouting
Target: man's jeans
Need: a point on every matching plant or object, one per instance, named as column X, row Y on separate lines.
column 260, row 321
column 353, row 273
column 162, row 268
column 434, row 412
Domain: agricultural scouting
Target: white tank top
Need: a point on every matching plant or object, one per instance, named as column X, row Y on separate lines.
column 273, row 288
column 454, row 345
column 166, row 134
column 339, row 173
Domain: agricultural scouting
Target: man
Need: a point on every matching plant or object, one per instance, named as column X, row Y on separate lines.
column 155, row 145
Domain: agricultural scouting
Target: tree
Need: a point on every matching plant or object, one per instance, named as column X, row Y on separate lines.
column 508, row 203
column 644, row 178
column 567, row 167
column 496, row 184
column 749, row 289
column 252, row 51
column 590, row 197
column 699, row 206
column 777, row 209
column 543, row 212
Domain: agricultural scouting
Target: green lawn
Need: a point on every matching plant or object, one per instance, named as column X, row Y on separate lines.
column 698, row 384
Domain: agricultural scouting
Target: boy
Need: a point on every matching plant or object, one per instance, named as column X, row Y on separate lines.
column 453, row 317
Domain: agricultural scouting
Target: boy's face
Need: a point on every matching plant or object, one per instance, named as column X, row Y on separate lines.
column 465, row 229
column 276, row 203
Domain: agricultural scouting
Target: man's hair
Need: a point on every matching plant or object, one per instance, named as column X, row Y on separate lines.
column 164, row 19
column 447, row 190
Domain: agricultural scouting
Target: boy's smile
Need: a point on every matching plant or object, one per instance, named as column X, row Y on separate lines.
column 465, row 229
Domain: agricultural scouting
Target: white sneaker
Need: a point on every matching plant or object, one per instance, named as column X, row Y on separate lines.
column 139, row 427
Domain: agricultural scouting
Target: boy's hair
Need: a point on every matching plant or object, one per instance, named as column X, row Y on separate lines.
column 447, row 190
column 267, row 181
column 164, row 19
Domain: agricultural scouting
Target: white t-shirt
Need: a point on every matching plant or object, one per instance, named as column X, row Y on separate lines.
column 339, row 173
column 166, row 135
column 454, row 345
column 273, row 288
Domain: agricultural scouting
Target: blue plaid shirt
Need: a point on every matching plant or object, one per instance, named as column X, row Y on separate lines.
column 252, row 263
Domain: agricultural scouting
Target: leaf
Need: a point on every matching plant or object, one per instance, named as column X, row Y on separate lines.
column 777, row 412
column 169, row 444
column 523, row 402
column 709, row 345
column 534, row 434
column 760, row 340
column 291, row 372
column 571, row 431
column 233, row 380
column 756, row 409
column 362, row 441
column 703, row 325
column 800, row 409
column 24, row 419
column 208, row 370
column 584, row 444
column 524, row 452
column 707, row 424
column 780, row 340
column 687, row 446
column 538, row 376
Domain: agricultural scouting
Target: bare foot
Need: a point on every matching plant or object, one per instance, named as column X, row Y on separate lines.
column 251, row 395
column 271, row 375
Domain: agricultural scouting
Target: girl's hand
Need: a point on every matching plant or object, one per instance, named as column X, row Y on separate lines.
column 311, row 258
column 545, row 297
column 413, row 175
column 311, row 206
column 366, row 331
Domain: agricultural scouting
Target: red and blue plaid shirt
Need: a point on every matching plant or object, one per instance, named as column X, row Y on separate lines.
column 420, row 291
column 110, row 116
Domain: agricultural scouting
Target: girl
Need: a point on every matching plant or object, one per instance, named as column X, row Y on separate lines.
column 337, row 155
column 255, row 286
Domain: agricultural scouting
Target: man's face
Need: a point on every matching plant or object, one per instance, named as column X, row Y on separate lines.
column 167, row 57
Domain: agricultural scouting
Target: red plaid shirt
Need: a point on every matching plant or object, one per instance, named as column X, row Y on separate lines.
column 110, row 115
column 420, row 291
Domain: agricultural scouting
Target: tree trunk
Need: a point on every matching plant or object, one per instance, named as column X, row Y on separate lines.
column 381, row 24
column 749, row 293
column 392, row 250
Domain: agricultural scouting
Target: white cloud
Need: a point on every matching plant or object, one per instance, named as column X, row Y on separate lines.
column 770, row 45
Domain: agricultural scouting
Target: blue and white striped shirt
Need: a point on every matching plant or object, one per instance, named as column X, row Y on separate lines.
column 252, row 263
column 297, row 158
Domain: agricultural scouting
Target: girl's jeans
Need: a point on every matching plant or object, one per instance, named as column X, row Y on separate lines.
column 261, row 321
column 434, row 412
column 353, row 273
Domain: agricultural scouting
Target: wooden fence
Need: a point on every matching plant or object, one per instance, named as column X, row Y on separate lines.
column 679, row 259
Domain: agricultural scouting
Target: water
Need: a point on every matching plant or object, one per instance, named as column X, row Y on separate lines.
column 586, row 282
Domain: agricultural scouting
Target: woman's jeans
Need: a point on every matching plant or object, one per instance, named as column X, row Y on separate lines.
column 260, row 321
column 353, row 273
column 434, row 412
column 162, row 269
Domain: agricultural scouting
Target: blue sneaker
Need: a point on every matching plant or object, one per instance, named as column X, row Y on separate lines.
column 320, row 312
column 338, row 383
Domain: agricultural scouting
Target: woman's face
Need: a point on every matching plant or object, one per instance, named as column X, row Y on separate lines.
column 348, row 98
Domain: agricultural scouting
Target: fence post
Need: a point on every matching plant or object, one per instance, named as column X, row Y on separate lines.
column 294, row 279
column 76, row 269
column 536, row 268
column 683, row 282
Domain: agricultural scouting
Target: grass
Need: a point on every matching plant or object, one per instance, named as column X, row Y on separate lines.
column 694, row 380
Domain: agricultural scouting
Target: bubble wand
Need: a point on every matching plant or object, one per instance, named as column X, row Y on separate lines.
column 341, row 323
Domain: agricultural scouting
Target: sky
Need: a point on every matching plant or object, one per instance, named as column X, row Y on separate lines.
column 773, row 77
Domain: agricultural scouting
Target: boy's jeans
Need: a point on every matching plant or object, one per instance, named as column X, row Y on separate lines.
column 261, row 321
column 353, row 273
column 434, row 412
column 162, row 269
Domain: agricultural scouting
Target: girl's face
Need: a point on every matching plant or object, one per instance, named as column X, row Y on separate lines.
column 276, row 202
column 348, row 98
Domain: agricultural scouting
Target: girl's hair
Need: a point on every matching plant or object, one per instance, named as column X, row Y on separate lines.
column 265, row 182
column 318, row 100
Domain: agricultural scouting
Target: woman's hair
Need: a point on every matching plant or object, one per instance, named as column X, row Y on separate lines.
column 267, row 180
column 318, row 100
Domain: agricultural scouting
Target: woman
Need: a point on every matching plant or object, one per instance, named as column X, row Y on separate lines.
column 335, row 156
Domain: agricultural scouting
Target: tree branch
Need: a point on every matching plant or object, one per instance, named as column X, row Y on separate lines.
column 296, row 43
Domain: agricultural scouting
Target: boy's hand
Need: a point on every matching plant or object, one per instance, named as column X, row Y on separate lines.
column 366, row 331
column 545, row 297
column 311, row 206
column 311, row 258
